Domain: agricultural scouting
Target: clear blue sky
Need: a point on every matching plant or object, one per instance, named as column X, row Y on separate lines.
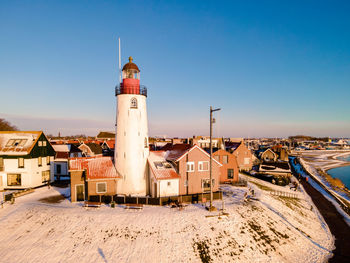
column 276, row 68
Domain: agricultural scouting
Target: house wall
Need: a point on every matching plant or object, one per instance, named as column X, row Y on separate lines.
column 111, row 186
column 232, row 164
column 76, row 177
column 244, row 157
column 64, row 168
column 195, row 178
column 168, row 190
column 31, row 174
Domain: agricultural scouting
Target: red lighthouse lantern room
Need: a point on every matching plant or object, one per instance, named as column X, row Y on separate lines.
column 131, row 78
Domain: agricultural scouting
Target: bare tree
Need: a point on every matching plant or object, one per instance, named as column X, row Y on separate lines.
column 6, row 126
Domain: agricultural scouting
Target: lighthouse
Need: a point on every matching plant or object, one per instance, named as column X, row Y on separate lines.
column 131, row 150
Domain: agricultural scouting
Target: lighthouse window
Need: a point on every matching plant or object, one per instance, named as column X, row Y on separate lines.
column 133, row 104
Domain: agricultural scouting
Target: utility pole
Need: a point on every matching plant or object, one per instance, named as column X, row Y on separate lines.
column 211, row 208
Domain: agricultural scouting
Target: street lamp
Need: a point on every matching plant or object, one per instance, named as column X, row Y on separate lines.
column 211, row 208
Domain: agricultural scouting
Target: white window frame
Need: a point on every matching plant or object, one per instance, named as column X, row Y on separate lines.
column 97, row 187
column 44, row 143
column 201, row 166
column 40, row 143
column 133, row 103
column 40, row 161
column 190, row 164
column 223, row 158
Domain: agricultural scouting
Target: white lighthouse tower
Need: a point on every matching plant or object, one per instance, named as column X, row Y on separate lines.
column 131, row 150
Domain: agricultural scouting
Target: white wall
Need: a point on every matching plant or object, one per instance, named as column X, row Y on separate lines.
column 31, row 174
column 130, row 153
column 165, row 190
column 64, row 168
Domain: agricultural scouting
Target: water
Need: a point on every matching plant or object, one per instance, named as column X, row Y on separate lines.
column 343, row 173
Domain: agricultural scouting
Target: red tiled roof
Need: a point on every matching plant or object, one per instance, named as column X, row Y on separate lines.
column 164, row 173
column 95, row 167
column 110, row 144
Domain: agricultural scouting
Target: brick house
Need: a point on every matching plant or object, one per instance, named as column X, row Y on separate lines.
column 192, row 165
column 242, row 153
column 92, row 176
column 229, row 168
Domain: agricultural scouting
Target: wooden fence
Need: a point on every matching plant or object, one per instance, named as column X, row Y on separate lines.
column 121, row 199
column 285, row 194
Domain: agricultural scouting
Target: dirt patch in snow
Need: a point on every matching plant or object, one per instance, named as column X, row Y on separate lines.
column 53, row 199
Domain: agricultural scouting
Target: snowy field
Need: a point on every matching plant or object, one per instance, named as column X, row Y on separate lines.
column 269, row 229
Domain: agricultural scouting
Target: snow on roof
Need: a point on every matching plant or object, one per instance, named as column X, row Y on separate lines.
column 95, row 167
column 18, row 142
column 61, row 147
column 160, row 167
column 175, row 151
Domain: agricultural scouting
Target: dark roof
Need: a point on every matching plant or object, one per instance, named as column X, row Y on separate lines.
column 62, row 155
column 103, row 135
column 74, row 149
column 232, row 145
column 177, row 150
column 95, row 148
column 130, row 65
column 280, row 165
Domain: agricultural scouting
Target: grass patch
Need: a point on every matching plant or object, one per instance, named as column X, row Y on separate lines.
column 262, row 187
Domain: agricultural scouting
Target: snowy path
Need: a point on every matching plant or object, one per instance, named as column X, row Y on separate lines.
column 274, row 229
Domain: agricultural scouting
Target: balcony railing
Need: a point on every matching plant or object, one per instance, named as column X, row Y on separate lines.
column 131, row 89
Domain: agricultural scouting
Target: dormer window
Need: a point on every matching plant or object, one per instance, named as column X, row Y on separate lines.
column 133, row 103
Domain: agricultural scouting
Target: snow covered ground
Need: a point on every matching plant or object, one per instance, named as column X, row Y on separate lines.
column 269, row 229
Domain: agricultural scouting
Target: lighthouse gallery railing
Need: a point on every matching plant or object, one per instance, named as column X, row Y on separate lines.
column 137, row 89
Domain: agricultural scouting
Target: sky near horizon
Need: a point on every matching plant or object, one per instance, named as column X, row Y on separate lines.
column 275, row 68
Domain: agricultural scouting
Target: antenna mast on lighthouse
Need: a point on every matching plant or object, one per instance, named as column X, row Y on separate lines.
column 120, row 63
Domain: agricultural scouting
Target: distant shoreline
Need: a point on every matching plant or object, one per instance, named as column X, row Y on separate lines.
column 325, row 161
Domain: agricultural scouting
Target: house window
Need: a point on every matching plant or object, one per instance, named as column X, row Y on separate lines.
column 20, row 162
column 217, row 157
column 45, row 176
column 206, row 184
column 146, row 143
column 48, row 160
column 40, row 161
column 203, row 166
column 246, row 160
column 190, row 167
column 169, row 183
column 186, row 183
column 225, row 159
column 101, row 188
column 13, row 179
column 40, row 143
column 133, row 103
column 1, row 164
column 44, row 143
column 229, row 173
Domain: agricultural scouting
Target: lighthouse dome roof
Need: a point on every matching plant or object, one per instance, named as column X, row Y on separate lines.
column 131, row 66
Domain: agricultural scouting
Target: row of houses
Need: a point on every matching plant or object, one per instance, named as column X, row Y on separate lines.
column 28, row 159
